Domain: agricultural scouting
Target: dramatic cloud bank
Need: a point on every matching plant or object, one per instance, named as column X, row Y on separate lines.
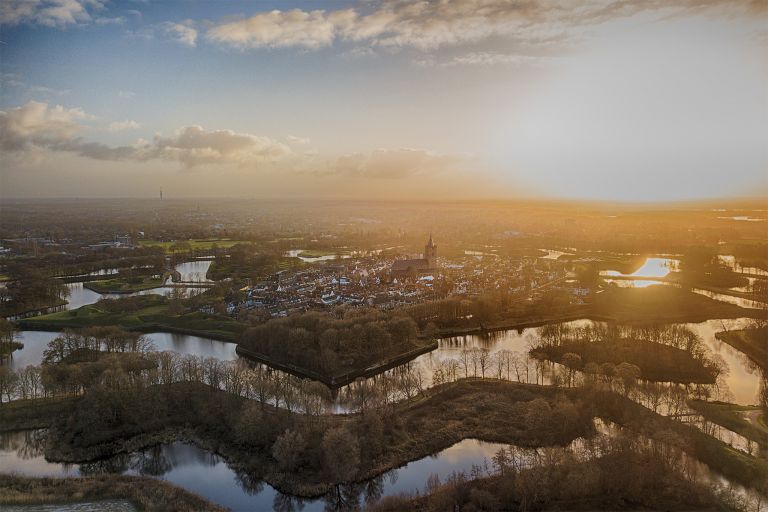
column 36, row 126
column 183, row 33
column 49, row 13
column 431, row 25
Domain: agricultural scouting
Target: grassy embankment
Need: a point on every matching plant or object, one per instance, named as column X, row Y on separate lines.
column 657, row 362
column 665, row 304
column 6, row 311
column 652, row 305
column 261, row 268
column 146, row 494
column 156, row 316
column 318, row 253
column 753, row 342
column 196, row 245
column 731, row 416
column 488, row 410
column 33, row 414
column 124, row 285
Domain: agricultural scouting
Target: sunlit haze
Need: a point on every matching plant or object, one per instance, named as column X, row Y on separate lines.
column 383, row 255
column 644, row 101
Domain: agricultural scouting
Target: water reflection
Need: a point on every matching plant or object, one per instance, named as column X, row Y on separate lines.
column 653, row 267
column 294, row 253
column 209, row 475
column 191, row 272
column 35, row 343
column 194, row 271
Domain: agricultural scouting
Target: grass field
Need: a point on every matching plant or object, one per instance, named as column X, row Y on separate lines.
column 124, row 285
column 154, row 317
column 143, row 492
column 317, row 253
column 197, row 245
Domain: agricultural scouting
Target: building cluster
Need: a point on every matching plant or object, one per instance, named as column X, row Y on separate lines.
column 355, row 282
column 377, row 281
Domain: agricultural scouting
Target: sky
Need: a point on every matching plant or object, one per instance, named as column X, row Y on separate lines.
column 655, row 100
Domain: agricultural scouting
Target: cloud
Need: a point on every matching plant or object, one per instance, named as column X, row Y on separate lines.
column 482, row 59
column 35, row 127
column 49, row 13
column 183, row 33
column 297, row 140
column 36, row 124
column 428, row 25
column 193, row 145
column 126, row 95
column 118, row 126
column 117, row 20
column 396, row 163
column 275, row 29
column 13, row 80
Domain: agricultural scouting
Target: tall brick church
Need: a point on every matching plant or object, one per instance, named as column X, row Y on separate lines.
column 427, row 263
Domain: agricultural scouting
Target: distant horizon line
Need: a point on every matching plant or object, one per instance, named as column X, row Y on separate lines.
column 518, row 199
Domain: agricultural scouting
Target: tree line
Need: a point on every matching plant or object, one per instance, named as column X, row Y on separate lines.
column 331, row 343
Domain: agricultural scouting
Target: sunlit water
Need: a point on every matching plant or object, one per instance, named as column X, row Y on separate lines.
column 742, row 380
column 653, row 267
column 194, row 271
column 743, row 218
column 294, row 253
column 208, row 475
column 35, row 343
column 730, row 261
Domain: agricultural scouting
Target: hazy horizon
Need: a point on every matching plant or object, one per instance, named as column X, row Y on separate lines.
column 480, row 99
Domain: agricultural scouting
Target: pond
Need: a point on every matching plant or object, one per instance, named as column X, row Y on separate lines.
column 207, row 474
column 741, row 383
column 194, row 271
column 294, row 253
column 742, row 379
column 35, row 342
column 729, row 260
column 191, row 272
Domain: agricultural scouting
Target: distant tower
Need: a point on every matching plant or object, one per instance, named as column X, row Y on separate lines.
column 430, row 253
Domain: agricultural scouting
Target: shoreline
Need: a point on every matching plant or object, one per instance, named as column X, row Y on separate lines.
column 339, row 381
column 607, row 405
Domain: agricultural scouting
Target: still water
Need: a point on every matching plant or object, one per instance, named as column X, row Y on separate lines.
column 741, row 383
column 207, row 474
column 653, row 267
column 191, row 272
column 35, row 342
column 194, row 271
column 294, row 253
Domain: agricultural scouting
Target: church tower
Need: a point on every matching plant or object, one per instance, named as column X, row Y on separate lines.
column 430, row 253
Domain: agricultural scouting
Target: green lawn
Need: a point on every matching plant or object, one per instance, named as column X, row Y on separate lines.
column 317, row 253
column 154, row 317
column 197, row 245
column 124, row 285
